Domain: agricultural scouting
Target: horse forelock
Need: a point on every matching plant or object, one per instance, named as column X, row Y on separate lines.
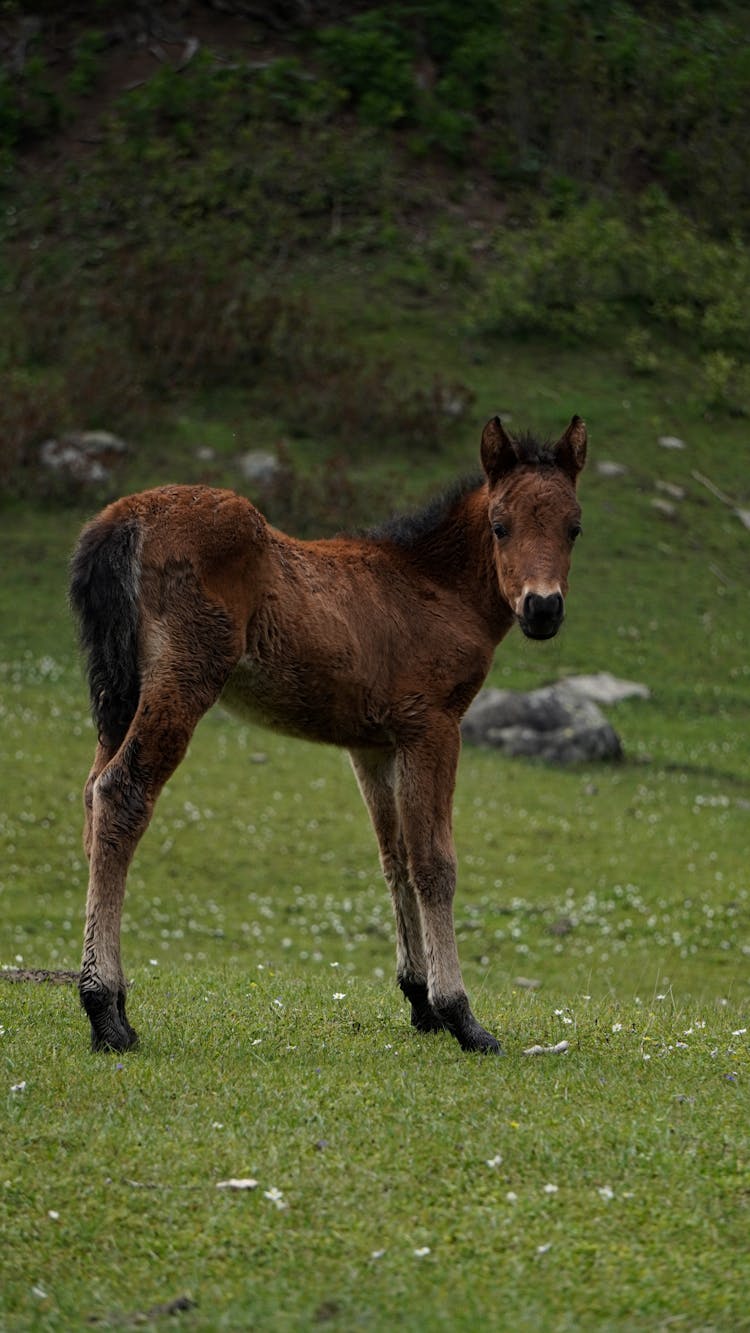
column 532, row 452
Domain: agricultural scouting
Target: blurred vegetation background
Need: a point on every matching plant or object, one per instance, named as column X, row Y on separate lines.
column 259, row 198
column 346, row 234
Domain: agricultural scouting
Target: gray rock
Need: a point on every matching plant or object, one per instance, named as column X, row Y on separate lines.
column 259, row 466
column 85, row 456
column 553, row 723
column 604, row 688
column 671, row 442
column 607, row 468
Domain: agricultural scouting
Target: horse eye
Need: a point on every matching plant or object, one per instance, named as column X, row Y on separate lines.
column 499, row 530
column 575, row 531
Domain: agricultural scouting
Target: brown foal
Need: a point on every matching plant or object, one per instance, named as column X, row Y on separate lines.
column 186, row 596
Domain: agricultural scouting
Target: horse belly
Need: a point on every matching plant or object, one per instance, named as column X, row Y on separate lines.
column 310, row 705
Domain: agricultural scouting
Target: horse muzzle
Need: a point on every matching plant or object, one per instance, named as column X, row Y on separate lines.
column 541, row 616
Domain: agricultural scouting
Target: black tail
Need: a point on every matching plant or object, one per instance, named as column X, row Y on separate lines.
column 104, row 588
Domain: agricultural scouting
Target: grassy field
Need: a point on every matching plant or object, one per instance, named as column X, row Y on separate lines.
column 400, row 1182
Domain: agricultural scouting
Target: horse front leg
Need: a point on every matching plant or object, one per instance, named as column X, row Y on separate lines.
column 426, row 775
column 375, row 772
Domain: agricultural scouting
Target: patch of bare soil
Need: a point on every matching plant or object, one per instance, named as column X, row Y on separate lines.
column 53, row 978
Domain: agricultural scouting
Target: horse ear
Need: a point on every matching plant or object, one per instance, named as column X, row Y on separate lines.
column 498, row 451
column 570, row 450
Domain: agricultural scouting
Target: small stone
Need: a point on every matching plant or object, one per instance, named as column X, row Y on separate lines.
column 259, row 466
column 95, row 442
column 562, row 926
column 671, row 442
column 559, row 1049
column 665, row 507
column 671, row 488
column 83, row 455
column 606, row 468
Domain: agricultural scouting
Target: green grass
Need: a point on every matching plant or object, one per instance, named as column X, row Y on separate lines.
column 382, row 1145
column 255, row 899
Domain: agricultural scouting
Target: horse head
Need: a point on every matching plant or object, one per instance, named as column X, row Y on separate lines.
column 535, row 518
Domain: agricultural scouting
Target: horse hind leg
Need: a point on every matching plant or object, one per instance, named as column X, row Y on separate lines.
column 375, row 775
column 122, row 794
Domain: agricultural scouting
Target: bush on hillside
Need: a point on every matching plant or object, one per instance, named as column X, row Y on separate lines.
column 591, row 272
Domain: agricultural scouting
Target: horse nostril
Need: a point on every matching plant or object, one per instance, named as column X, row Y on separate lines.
column 537, row 607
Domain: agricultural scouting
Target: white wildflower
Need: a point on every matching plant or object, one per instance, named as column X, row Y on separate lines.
column 275, row 1196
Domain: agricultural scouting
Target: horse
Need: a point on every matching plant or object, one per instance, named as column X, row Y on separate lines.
column 377, row 642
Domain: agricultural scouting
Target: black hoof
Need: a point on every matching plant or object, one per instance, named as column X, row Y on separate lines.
column 457, row 1017
column 423, row 1016
column 110, row 1029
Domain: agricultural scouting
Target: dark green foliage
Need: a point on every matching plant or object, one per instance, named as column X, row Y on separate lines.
column 590, row 272
column 197, row 245
column 87, row 64
column 369, row 59
column 613, row 95
column 29, row 108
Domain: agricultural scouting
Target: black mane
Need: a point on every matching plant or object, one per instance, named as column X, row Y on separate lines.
column 411, row 529
column 408, row 530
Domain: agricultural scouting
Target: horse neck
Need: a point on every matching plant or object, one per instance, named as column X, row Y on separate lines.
column 459, row 555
